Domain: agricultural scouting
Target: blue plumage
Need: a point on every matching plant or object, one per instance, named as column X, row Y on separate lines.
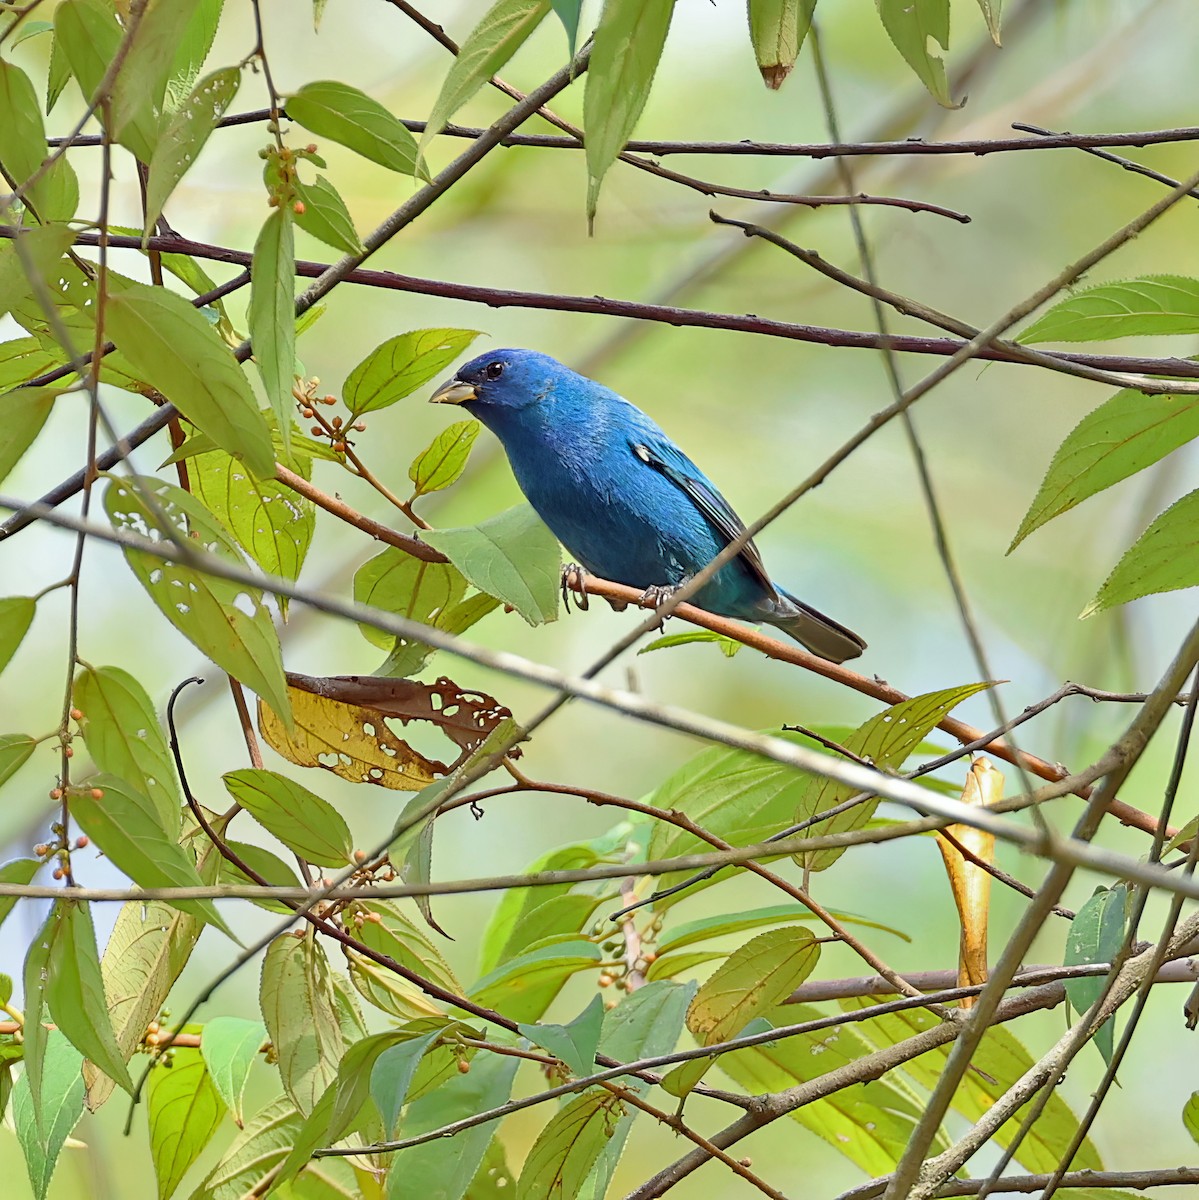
column 623, row 499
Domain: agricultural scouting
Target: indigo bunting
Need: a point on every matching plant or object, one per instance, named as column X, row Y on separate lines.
column 621, row 496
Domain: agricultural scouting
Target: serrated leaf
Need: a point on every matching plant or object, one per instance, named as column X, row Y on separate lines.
column 1150, row 304
column 1096, row 935
column 444, row 459
column 75, row 990
column 126, row 826
column 157, row 331
column 55, row 196
column 124, row 738
column 325, row 215
column 754, row 979
column 253, row 1155
column 504, row 28
column 16, row 615
column 406, row 658
column 271, row 315
column 576, row 1043
column 1163, row 559
column 628, row 43
column 209, row 612
column 300, row 819
column 915, row 27
column 777, row 29
column 567, row 1148
column 43, row 1133
column 261, row 861
column 355, row 120
column 1122, row 436
column 185, row 135
column 42, row 247
column 298, row 1006
column 524, row 987
column 728, row 646
column 512, row 557
column 230, row 1046
column 23, row 412
column 400, row 365
column 17, row 870
column 184, row 1110
column 190, row 53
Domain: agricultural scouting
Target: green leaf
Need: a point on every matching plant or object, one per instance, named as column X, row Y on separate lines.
column 407, row 658
column 388, row 931
column 156, row 330
column 300, row 819
column 575, row 1044
column 990, row 10
column 777, row 29
column 391, row 1076
column 671, row 966
column 42, row 1133
column 754, row 979
column 1122, row 436
column 272, row 315
column 17, row 870
column 23, row 412
column 1096, row 935
column 504, row 28
column 75, row 990
column 16, row 615
column 208, row 611
column 325, row 216
column 253, row 1155
column 88, row 32
column 915, row 26
column 728, row 646
column 298, row 1006
column 524, row 987
column 35, row 977
column 1150, row 304
column 21, row 359
column 43, row 246
column 149, row 946
column 355, row 120
column 230, row 1046
column 444, row 1168
column 409, row 587
column 184, row 1109
column 272, row 523
column 30, row 29
column 512, row 557
column 628, row 43
column 55, row 196
column 1190, row 1116
column 400, row 365
column 59, row 74
column 185, row 135
column 444, row 460
column 260, row 860
column 125, row 739
column 568, row 12
column 1163, row 559
column 193, row 48
column 126, row 826
column 725, row 924
column 567, row 1148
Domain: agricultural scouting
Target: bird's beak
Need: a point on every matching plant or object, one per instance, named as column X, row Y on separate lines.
column 454, row 391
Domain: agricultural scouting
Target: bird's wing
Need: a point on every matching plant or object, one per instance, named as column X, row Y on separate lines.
column 668, row 460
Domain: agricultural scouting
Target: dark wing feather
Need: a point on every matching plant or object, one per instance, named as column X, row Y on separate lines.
column 668, row 460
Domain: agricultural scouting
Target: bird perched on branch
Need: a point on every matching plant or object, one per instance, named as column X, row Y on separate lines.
column 622, row 497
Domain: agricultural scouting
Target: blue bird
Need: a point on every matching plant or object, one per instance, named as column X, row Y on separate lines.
column 623, row 499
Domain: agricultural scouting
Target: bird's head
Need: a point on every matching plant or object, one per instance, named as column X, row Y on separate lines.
column 503, row 379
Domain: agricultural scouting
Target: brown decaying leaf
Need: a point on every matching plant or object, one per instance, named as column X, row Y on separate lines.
column 971, row 885
column 341, row 725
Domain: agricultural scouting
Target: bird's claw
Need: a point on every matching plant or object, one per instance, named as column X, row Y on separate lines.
column 574, row 579
column 658, row 594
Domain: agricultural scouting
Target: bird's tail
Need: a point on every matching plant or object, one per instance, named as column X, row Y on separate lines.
column 823, row 636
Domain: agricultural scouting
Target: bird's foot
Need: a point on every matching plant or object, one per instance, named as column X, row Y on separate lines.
column 574, row 579
column 658, row 594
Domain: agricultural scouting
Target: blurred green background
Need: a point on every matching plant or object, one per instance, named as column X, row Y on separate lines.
column 758, row 414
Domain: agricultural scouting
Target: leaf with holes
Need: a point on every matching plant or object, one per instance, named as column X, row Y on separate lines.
column 300, row 819
column 400, row 365
column 349, row 116
column 1122, row 436
column 38, row 250
column 444, row 460
column 916, row 27
column 190, row 53
column 209, row 612
column 1150, row 304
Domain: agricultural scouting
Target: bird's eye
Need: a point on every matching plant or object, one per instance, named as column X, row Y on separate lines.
column 493, row 370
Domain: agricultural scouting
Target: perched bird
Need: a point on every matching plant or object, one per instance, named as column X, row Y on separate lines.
column 621, row 496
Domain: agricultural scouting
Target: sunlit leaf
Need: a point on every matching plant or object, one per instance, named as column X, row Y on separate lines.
column 324, row 215
column 1122, row 436
column 17, row 870
column 567, row 1148
column 349, row 116
column 43, row 1133
column 917, row 27
column 991, row 10
column 253, row 1155
column 209, row 612
column 1150, row 304
column 725, row 924
column 190, row 52
column 408, row 587
column 156, row 330
column 271, row 315
column 444, row 460
column 1163, row 559
column 777, row 29
column 504, row 28
column 512, row 557
column 1096, row 935
column 55, row 196
column 230, row 1046
column 728, row 646
column 300, row 819
column 628, row 43
column 400, row 365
